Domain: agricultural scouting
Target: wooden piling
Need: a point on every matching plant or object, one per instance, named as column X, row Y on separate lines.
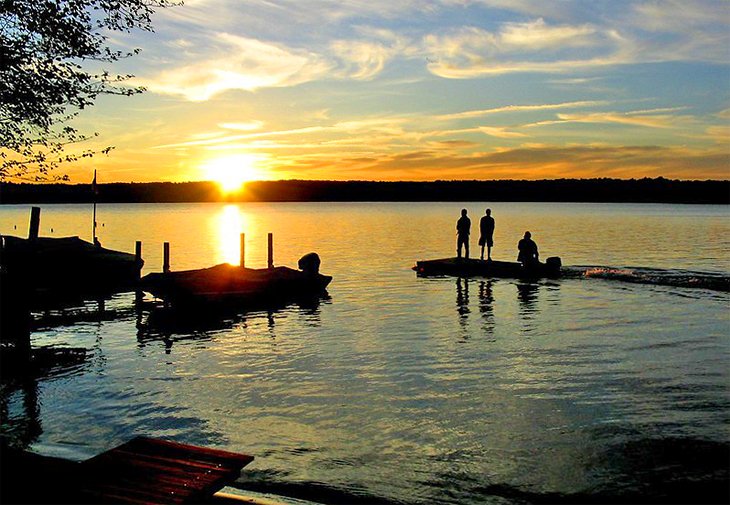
column 35, row 222
column 243, row 250
column 166, row 257
column 138, row 294
column 138, row 256
column 270, row 263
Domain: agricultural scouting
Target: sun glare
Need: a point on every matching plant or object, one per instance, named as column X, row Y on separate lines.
column 231, row 172
column 231, row 222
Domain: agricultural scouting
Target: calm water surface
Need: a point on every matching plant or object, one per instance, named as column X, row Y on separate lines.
column 402, row 389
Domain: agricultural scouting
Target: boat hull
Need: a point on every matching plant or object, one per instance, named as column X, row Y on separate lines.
column 58, row 267
column 461, row 267
column 227, row 283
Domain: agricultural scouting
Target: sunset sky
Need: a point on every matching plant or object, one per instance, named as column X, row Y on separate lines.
column 416, row 90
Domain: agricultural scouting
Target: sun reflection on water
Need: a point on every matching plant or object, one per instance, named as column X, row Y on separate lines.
column 231, row 223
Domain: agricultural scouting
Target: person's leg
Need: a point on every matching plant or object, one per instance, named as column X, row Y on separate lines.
column 466, row 248
column 458, row 247
column 489, row 253
column 482, row 255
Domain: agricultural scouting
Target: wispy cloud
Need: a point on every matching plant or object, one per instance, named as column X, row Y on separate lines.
column 244, row 126
column 241, row 63
column 626, row 118
column 380, row 126
column 721, row 135
column 522, row 47
column 521, row 108
column 690, row 31
column 502, row 133
column 362, row 59
column 524, row 162
column 536, row 35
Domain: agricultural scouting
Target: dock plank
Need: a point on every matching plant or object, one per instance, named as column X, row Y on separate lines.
column 148, row 471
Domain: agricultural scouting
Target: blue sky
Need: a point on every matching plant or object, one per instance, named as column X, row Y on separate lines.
column 406, row 90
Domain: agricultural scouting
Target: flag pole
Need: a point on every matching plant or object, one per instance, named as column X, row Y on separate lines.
column 93, row 229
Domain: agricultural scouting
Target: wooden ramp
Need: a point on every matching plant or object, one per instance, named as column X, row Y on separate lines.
column 151, row 471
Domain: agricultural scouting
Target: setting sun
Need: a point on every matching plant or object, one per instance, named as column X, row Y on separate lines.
column 231, row 172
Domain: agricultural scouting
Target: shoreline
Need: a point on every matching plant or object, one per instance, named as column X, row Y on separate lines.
column 658, row 190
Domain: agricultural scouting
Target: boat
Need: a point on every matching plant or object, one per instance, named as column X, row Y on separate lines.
column 230, row 283
column 49, row 265
column 461, row 267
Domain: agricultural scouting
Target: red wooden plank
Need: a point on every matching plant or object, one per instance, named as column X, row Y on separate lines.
column 123, row 458
column 146, row 470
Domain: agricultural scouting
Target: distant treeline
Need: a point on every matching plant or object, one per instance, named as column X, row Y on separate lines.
column 557, row 190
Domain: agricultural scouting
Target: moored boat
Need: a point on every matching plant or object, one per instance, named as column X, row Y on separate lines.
column 229, row 283
column 462, row 267
column 64, row 264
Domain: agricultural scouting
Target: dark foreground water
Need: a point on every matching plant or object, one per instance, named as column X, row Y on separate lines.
column 608, row 385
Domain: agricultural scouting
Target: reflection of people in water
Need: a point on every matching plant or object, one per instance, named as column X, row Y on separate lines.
column 527, row 295
column 486, row 308
column 463, row 228
column 462, row 297
column 462, row 306
column 486, row 229
column 528, row 251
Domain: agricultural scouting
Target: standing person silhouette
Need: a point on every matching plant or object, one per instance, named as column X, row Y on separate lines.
column 486, row 228
column 463, row 227
column 528, row 251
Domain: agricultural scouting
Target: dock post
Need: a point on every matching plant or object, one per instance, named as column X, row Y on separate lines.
column 138, row 295
column 35, row 223
column 166, row 257
column 243, row 250
column 271, row 251
column 138, row 257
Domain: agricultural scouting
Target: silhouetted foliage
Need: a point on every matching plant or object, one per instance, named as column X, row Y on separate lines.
column 43, row 44
column 558, row 190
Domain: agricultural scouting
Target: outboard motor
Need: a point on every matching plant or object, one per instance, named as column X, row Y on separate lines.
column 553, row 264
column 309, row 263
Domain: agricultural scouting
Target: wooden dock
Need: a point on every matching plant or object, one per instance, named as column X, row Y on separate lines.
column 141, row 471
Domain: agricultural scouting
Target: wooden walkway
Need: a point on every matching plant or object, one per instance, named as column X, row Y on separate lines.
column 151, row 471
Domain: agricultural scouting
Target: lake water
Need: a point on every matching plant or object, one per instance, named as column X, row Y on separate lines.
column 399, row 389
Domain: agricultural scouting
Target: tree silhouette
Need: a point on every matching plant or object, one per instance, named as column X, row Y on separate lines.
column 44, row 45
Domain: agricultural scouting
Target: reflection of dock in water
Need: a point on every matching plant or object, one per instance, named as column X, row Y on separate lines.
column 169, row 323
column 21, row 371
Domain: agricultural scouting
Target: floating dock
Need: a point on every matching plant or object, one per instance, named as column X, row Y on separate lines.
column 461, row 267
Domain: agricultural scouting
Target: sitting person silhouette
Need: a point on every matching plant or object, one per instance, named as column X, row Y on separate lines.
column 528, row 255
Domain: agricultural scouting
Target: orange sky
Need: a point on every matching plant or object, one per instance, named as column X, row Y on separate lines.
column 384, row 90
